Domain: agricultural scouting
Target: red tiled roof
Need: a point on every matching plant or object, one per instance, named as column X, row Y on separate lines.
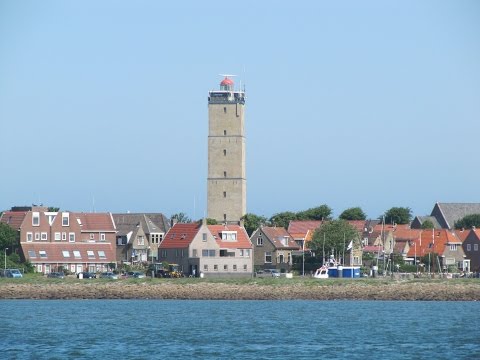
column 242, row 242
column 180, row 236
column 96, row 221
column 407, row 234
column 13, row 218
column 276, row 233
column 462, row 234
column 427, row 244
column 300, row 227
column 54, row 252
column 358, row 224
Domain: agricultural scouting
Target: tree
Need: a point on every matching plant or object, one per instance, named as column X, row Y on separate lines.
column 283, row 219
column 468, row 222
column 8, row 236
column 181, row 218
column 252, row 222
column 322, row 212
column 428, row 224
column 211, row 221
column 333, row 237
column 355, row 213
column 53, row 209
column 398, row 215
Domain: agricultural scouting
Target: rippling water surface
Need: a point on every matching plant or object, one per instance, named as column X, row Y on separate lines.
column 143, row 329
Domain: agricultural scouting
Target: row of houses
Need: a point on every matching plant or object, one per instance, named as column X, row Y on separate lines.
column 95, row 241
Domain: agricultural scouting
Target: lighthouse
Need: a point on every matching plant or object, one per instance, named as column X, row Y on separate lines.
column 226, row 182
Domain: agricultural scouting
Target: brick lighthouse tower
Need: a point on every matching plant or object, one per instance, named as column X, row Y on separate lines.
column 226, row 188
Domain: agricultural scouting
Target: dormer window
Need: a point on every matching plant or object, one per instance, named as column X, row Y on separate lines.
column 229, row 236
column 65, row 219
column 35, row 219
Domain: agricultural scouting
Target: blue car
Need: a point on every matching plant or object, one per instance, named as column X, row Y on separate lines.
column 13, row 273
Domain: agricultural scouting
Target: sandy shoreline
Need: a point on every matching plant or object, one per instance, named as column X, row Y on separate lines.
column 442, row 291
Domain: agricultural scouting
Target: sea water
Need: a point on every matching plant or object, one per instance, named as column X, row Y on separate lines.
column 297, row 329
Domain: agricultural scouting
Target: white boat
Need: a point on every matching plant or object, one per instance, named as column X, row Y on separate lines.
column 321, row 273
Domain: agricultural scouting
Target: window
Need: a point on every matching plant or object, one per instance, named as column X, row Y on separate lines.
column 92, row 236
column 71, row 237
column 234, row 267
column 241, row 252
column 224, row 109
column 58, row 236
column 225, row 267
column 453, row 247
column 245, row 267
column 281, row 259
column 224, row 194
column 65, row 219
column 469, row 247
column 204, row 237
column 205, row 267
column 225, row 132
column 43, row 236
column 204, row 253
column 215, row 267
column 224, row 217
column 101, row 254
column 29, row 236
column 259, row 241
column 224, row 174
column 66, row 253
column 224, row 152
column 194, row 253
column 141, row 240
column 229, row 235
column 268, row 257
column 35, row 219
column 247, row 253
column 37, row 236
column 31, row 254
column 164, row 253
column 76, row 254
column 64, row 236
column 90, row 254
column 211, row 253
column 102, row 237
column 475, row 247
column 43, row 254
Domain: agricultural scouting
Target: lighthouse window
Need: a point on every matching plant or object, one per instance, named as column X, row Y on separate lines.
column 224, row 174
column 225, row 132
column 224, row 109
column 224, row 194
column 224, row 152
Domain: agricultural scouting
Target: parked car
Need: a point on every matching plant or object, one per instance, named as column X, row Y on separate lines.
column 87, row 275
column 135, row 274
column 12, row 273
column 268, row 273
column 57, row 275
column 108, row 275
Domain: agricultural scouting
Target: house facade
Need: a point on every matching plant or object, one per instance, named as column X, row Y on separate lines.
column 471, row 247
column 139, row 236
column 71, row 241
column 273, row 248
column 213, row 251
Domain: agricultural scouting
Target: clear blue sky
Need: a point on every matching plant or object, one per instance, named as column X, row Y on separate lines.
column 103, row 104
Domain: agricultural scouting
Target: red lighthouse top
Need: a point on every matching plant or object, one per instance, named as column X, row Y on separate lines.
column 226, row 82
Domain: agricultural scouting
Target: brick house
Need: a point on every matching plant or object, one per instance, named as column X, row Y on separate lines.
column 272, row 248
column 71, row 241
column 208, row 250
column 471, row 247
column 138, row 236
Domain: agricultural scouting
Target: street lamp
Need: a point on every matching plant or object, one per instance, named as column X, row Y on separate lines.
column 5, row 257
